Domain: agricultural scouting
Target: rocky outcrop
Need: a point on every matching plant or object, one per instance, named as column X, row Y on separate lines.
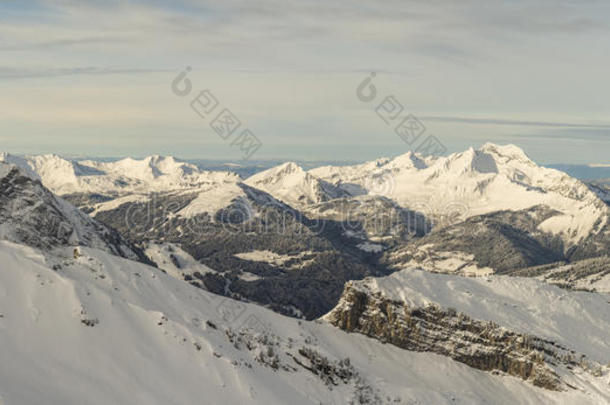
column 480, row 344
column 32, row 215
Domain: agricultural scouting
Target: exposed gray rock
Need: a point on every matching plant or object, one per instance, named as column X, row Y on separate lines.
column 32, row 215
column 480, row 344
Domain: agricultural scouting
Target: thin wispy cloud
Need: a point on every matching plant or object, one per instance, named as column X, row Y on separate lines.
column 515, row 122
column 16, row 73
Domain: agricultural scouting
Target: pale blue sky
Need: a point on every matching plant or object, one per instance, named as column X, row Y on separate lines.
column 93, row 78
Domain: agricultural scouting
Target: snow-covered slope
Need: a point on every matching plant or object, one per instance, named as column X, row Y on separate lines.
column 294, row 186
column 485, row 180
column 94, row 327
column 215, row 199
column 101, row 329
column 601, row 187
column 176, row 262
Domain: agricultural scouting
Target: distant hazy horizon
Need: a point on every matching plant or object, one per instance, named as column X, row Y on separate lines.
column 250, row 162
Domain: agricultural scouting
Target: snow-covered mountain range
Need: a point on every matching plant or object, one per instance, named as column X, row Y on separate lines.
column 126, row 176
column 481, row 211
column 475, row 182
column 97, row 326
column 489, row 179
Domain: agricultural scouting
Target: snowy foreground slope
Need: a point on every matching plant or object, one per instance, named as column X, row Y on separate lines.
column 102, row 329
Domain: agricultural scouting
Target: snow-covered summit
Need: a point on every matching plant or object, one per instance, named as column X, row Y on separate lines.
column 22, row 163
column 149, row 168
column 508, row 151
column 291, row 184
column 409, row 160
column 277, row 174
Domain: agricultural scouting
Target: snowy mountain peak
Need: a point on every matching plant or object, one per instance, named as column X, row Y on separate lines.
column 409, row 160
column 22, row 163
column 56, row 167
column 278, row 174
column 481, row 181
column 162, row 170
column 165, row 163
column 490, row 158
column 508, row 151
column 284, row 169
column 469, row 161
column 291, row 184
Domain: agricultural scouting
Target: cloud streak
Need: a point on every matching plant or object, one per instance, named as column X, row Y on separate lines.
column 512, row 122
column 7, row 73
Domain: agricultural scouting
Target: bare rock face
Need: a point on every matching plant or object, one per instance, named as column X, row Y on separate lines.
column 480, row 344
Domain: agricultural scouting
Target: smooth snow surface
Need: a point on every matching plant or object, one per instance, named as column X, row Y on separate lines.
column 175, row 261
